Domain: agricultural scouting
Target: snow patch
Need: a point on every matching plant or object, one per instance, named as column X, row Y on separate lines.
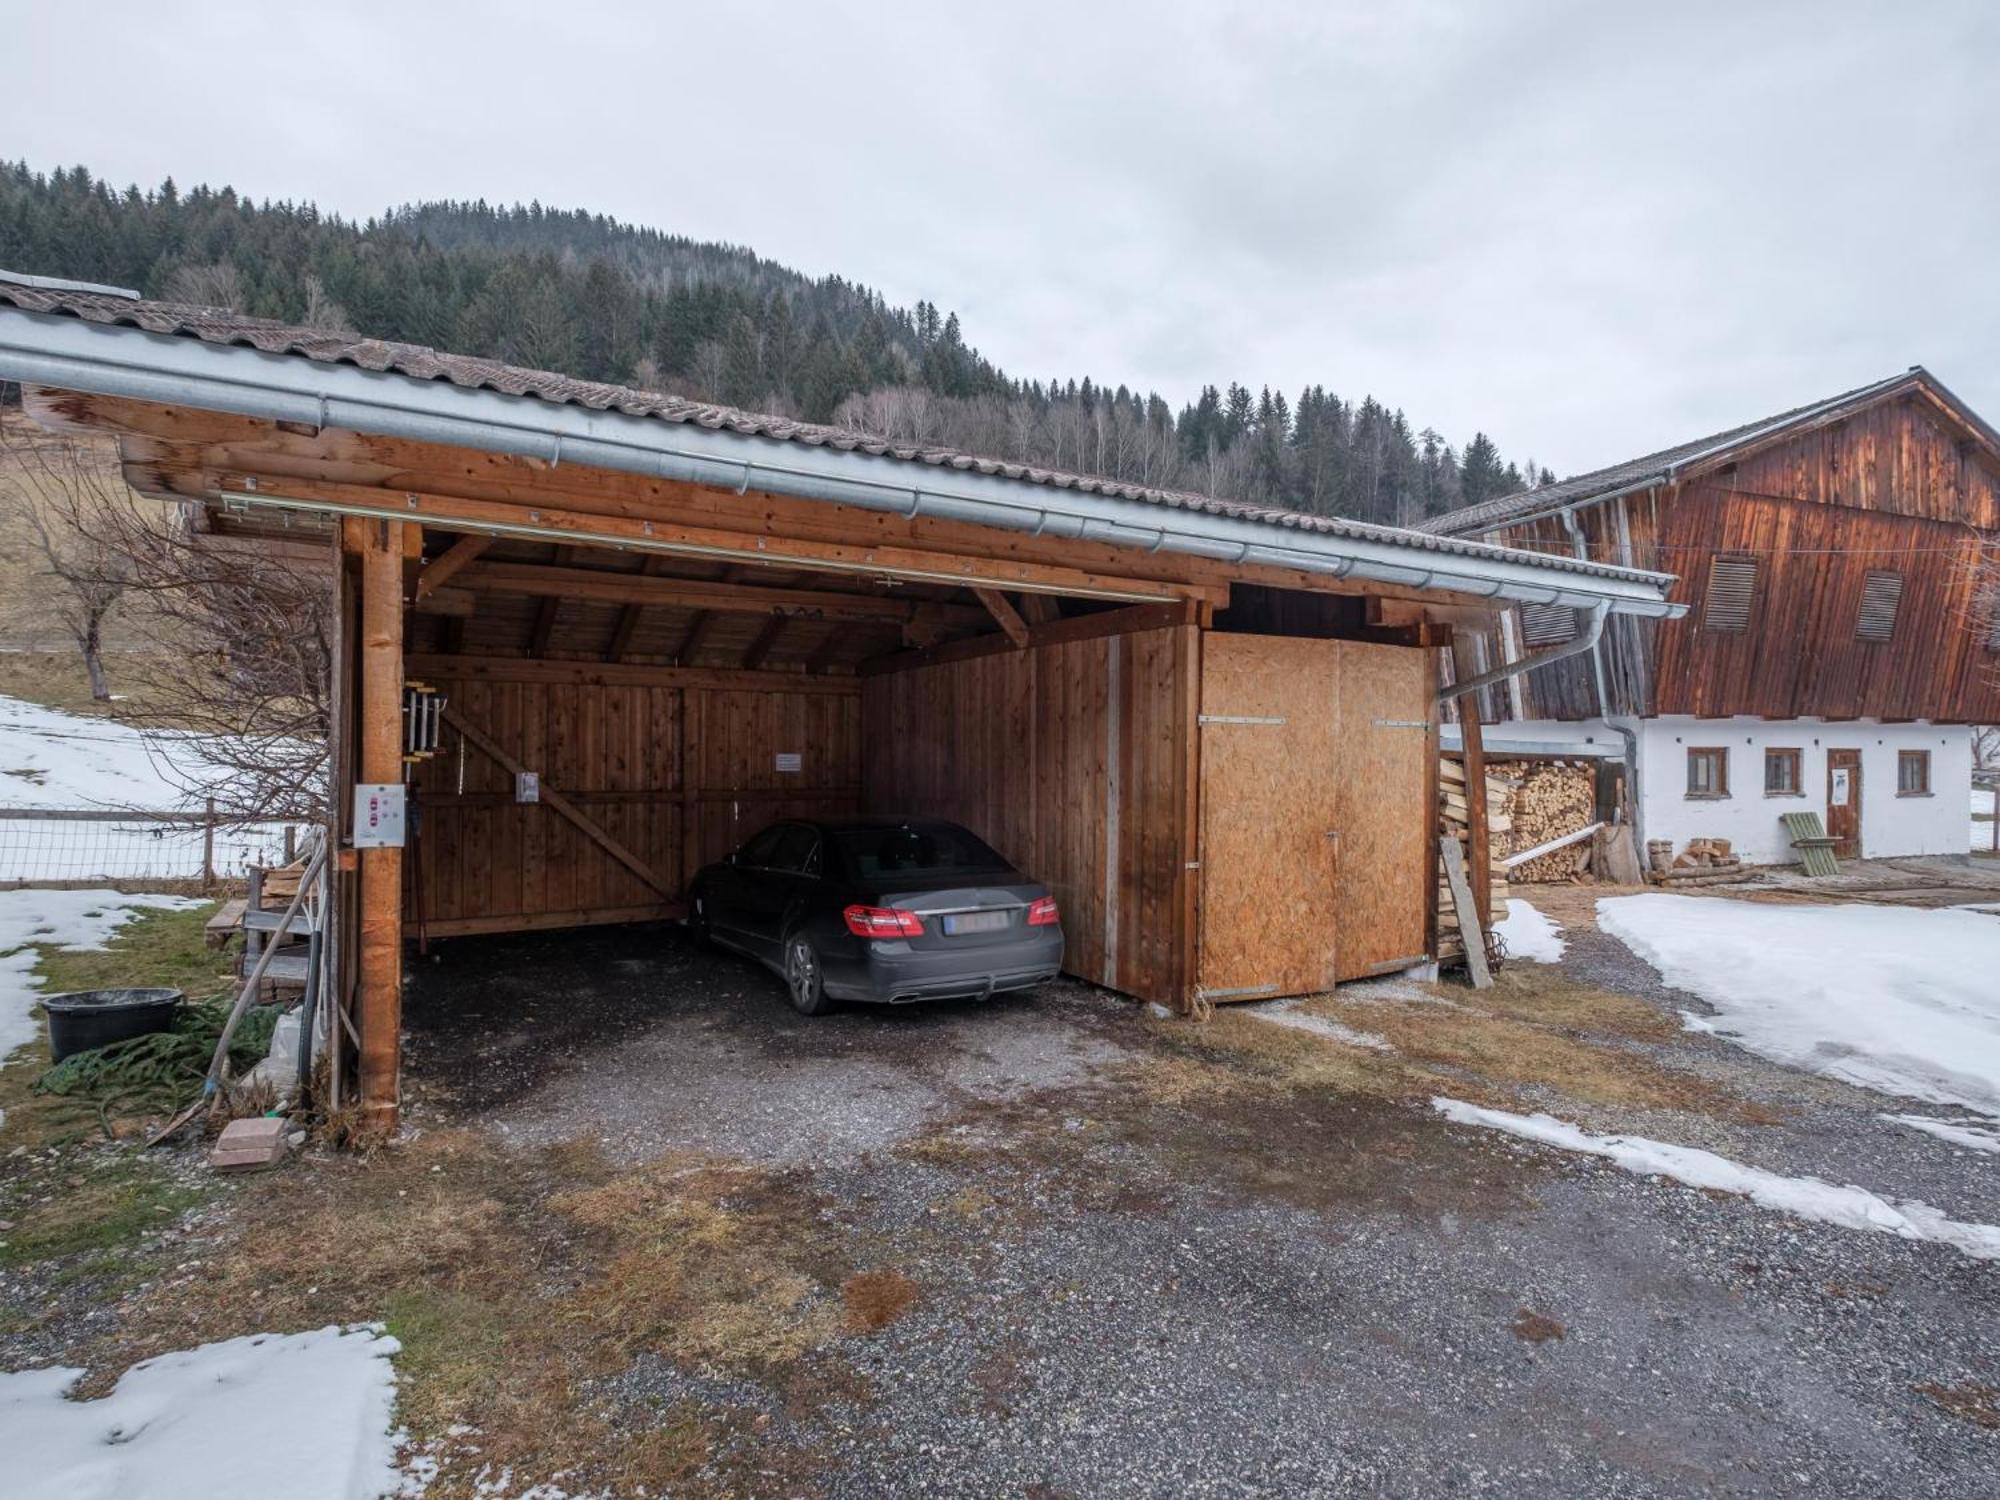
column 1530, row 933
column 76, row 920
column 305, row 1415
column 1286, row 1013
column 1805, row 1197
column 1970, row 1131
column 1902, row 1000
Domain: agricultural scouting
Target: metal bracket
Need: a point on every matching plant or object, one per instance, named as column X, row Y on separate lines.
column 1237, row 719
column 1402, row 723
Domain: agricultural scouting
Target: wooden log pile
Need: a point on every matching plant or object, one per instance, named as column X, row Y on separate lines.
column 1551, row 798
column 1702, row 862
column 1453, row 816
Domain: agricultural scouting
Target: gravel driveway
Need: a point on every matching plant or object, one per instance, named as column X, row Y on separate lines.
column 1258, row 1292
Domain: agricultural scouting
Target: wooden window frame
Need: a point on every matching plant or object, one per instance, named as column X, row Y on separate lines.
column 1920, row 758
column 1721, row 754
column 1796, row 759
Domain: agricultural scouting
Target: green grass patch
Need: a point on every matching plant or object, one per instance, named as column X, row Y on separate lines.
column 163, row 949
column 102, row 1211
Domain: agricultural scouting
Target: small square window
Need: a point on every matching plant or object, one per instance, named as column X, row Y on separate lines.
column 1708, row 773
column 1913, row 773
column 1781, row 773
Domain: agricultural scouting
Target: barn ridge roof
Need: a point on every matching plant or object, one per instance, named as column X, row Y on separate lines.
column 1676, row 462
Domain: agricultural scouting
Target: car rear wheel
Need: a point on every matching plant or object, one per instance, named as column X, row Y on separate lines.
column 803, row 979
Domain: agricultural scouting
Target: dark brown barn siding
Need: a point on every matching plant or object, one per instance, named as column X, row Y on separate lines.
column 1891, row 488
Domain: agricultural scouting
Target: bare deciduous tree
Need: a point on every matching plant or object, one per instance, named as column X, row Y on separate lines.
column 70, row 501
column 217, row 285
column 238, row 635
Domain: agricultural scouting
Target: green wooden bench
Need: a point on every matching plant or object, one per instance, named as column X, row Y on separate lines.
column 1812, row 841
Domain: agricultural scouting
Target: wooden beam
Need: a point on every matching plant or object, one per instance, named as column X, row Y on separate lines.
column 621, row 674
column 545, row 625
column 628, row 620
column 556, row 802
column 200, row 452
column 730, row 597
column 695, row 636
column 761, row 647
column 1005, row 615
column 1038, row 609
column 827, row 649
column 438, row 573
column 1072, row 628
column 379, row 975
column 451, row 603
column 769, row 546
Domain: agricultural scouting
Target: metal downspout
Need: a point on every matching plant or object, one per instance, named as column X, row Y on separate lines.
column 1604, row 708
column 1577, row 647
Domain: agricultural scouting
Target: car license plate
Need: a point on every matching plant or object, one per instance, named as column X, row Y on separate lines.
column 976, row 921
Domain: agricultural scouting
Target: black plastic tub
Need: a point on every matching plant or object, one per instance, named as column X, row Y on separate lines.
column 85, row 1019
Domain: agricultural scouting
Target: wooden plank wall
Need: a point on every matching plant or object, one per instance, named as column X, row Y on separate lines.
column 643, row 762
column 1891, row 487
column 1073, row 760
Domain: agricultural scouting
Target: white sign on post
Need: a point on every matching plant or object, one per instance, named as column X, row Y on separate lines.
column 791, row 761
column 378, row 815
column 527, row 786
column 1840, row 786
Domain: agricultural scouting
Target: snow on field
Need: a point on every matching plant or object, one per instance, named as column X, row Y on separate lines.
column 1903, row 1000
column 1806, row 1197
column 69, row 919
column 50, row 759
column 1287, row 1013
column 1530, row 934
column 1982, row 817
column 305, row 1415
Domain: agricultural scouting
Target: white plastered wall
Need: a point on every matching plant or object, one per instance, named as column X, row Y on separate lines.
column 1891, row 825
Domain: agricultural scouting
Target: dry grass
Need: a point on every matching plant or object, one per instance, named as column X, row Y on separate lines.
column 521, row 1286
column 1534, row 1029
column 875, row 1299
column 1975, row 1403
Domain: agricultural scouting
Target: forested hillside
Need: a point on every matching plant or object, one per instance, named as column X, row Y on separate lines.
column 587, row 295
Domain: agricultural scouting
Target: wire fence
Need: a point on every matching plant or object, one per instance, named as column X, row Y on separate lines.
column 47, row 846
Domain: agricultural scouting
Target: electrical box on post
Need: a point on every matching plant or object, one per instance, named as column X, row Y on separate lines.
column 378, row 814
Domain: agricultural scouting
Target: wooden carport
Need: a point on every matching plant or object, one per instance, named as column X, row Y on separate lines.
column 1211, row 729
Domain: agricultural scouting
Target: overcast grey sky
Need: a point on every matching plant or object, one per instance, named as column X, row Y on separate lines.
column 1591, row 229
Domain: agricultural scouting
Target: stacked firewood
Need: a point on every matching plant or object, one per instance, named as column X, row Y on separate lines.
column 1454, row 823
column 1703, row 862
column 1554, row 797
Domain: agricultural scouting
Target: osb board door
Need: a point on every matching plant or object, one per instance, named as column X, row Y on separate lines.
column 1843, row 802
column 1385, row 748
column 1269, row 711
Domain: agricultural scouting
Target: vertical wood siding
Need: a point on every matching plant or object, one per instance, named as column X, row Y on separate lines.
column 1073, row 761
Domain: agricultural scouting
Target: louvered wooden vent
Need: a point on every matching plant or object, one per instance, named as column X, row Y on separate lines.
column 1547, row 624
column 1732, row 584
column 1881, row 593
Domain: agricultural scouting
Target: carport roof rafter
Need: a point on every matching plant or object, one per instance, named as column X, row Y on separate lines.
column 88, row 340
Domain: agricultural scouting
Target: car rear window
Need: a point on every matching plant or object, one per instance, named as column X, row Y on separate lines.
column 924, row 849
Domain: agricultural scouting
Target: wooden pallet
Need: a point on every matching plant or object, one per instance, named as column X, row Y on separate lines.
column 1809, row 837
column 220, row 928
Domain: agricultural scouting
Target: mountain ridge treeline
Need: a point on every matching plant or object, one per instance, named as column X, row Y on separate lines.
column 589, row 296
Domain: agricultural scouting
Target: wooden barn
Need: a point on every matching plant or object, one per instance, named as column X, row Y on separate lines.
column 647, row 627
column 1836, row 643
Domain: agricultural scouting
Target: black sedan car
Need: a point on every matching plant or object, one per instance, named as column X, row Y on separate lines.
column 886, row 910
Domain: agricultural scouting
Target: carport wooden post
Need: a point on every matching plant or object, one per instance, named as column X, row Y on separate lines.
column 1478, row 852
column 379, row 972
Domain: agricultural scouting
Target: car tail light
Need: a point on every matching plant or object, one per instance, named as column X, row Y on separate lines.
column 882, row 922
column 1043, row 913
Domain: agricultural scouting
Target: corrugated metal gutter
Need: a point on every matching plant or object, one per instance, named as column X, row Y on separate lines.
column 69, row 353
